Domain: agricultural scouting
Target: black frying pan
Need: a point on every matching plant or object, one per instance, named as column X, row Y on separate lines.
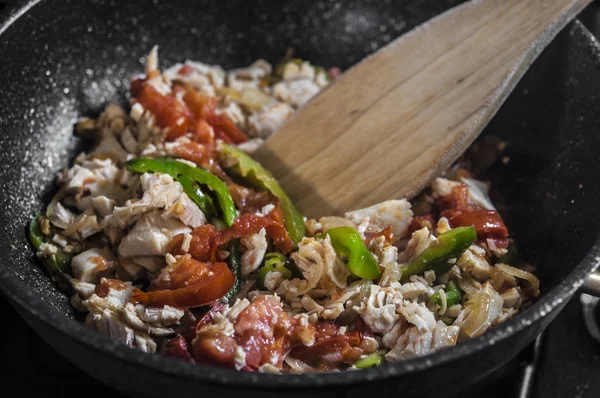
column 62, row 59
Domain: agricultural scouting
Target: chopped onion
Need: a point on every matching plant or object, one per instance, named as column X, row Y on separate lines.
column 254, row 99
column 521, row 274
column 328, row 223
column 485, row 306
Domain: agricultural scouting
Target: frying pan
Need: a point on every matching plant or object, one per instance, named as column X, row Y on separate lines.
column 63, row 59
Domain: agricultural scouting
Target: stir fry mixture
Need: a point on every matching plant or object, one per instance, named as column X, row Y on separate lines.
column 174, row 240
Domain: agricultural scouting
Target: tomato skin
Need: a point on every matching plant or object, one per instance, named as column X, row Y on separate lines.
column 177, row 347
column 457, row 201
column 330, row 348
column 213, row 284
column 248, row 223
column 169, row 112
column 487, row 223
column 226, row 129
column 200, row 105
column 386, row 232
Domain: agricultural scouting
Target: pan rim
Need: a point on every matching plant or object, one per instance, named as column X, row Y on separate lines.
column 16, row 291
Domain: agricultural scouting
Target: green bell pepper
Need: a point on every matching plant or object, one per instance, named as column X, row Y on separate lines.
column 239, row 163
column 190, row 178
column 370, row 361
column 234, row 262
column 439, row 254
column 453, row 296
column 57, row 265
column 274, row 262
column 347, row 242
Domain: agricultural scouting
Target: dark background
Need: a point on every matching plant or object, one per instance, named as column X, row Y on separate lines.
column 568, row 363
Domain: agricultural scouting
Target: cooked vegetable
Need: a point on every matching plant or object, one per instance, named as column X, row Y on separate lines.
column 202, row 177
column 57, row 265
column 274, row 262
column 211, row 283
column 234, row 265
column 453, row 296
column 370, row 361
column 487, row 223
column 485, row 307
column 441, row 255
column 534, row 282
column 347, row 243
column 239, row 163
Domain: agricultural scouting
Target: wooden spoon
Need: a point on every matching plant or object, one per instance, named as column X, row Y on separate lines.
column 394, row 121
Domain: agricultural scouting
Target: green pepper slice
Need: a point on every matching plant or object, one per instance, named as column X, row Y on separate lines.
column 234, row 262
column 369, row 361
column 274, row 262
column 238, row 162
column 188, row 177
column 347, row 243
column 439, row 254
column 56, row 265
column 453, row 296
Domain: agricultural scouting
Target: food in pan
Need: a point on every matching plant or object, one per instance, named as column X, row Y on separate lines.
column 173, row 240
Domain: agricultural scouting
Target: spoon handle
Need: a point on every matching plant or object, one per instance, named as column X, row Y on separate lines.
column 401, row 116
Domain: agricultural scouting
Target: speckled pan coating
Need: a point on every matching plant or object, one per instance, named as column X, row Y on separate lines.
column 62, row 59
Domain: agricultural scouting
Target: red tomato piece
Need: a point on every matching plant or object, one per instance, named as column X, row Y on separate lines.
column 169, row 112
column 177, row 347
column 487, row 223
column 226, row 129
column 213, row 284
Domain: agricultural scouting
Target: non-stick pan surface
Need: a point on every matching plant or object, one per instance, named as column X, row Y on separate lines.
column 63, row 59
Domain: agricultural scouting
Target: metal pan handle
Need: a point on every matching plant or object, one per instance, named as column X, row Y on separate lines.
column 592, row 284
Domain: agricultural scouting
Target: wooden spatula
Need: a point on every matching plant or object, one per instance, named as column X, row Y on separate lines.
column 398, row 118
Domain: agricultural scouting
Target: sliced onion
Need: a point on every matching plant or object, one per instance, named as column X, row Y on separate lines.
column 521, row 274
column 486, row 306
column 298, row 366
column 468, row 284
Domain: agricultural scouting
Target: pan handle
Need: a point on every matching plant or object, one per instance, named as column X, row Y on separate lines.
column 591, row 285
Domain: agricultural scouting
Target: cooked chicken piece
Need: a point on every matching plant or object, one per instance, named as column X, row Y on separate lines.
column 151, row 235
column 82, row 289
column 396, row 213
column 128, row 141
column 201, row 76
column 378, row 309
column 296, row 92
column 293, row 70
column 415, row 342
column 132, row 315
column 320, row 266
column 238, row 79
column 383, row 251
column 151, row 263
column 264, row 123
column 473, row 261
column 256, row 247
column 443, row 186
column 108, row 145
column 160, row 192
column 92, row 265
column 418, row 242
column 103, row 205
column 512, row 298
column 418, row 315
column 412, row 290
column 328, row 223
column 478, row 191
column 109, row 323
